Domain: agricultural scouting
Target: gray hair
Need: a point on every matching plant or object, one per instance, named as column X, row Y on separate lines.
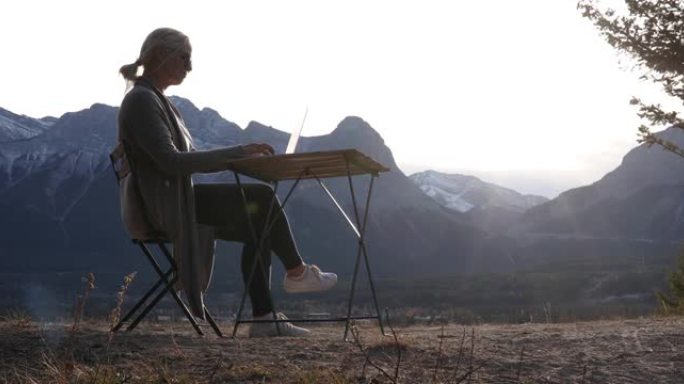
column 168, row 38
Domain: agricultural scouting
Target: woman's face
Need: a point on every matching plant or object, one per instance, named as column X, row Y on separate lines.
column 176, row 65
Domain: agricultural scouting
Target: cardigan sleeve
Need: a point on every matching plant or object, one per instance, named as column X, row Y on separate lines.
column 146, row 126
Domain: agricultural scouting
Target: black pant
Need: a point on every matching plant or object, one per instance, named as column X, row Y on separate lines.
column 221, row 206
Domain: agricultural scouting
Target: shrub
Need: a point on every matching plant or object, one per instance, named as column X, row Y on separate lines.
column 673, row 302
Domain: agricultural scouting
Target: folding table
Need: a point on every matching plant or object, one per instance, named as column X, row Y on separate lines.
column 318, row 166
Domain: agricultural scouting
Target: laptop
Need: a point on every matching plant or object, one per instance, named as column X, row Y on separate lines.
column 294, row 136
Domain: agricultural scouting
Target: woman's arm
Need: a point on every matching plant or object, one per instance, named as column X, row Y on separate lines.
column 145, row 124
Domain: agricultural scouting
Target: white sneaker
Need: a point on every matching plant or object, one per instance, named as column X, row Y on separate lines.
column 266, row 329
column 311, row 280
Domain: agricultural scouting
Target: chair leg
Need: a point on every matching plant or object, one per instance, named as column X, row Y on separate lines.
column 169, row 289
column 185, row 309
column 212, row 323
column 210, row 319
column 168, row 285
column 146, row 310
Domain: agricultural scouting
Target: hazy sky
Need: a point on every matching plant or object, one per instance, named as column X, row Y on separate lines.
column 524, row 93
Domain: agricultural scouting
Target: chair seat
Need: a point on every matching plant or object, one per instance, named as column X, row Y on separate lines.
column 152, row 237
column 151, row 240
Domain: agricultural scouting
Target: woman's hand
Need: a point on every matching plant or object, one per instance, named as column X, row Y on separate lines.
column 258, row 149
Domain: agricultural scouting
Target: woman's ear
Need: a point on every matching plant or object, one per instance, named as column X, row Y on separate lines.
column 158, row 56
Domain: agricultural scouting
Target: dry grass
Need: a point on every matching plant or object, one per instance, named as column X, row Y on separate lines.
column 626, row 351
column 115, row 314
column 19, row 318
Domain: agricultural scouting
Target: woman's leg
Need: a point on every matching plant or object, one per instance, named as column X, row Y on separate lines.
column 221, row 206
column 260, row 288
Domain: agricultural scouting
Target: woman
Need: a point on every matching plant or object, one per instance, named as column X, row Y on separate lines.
column 159, row 200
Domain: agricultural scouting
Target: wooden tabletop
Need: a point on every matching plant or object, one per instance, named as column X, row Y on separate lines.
column 307, row 165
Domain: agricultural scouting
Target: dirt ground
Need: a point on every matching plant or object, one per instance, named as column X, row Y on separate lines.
column 649, row 350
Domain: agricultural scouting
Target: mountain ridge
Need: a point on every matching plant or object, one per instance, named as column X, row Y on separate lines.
column 642, row 189
column 59, row 184
column 465, row 192
column 60, row 212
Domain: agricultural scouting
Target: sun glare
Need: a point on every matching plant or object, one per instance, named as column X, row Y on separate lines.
column 449, row 85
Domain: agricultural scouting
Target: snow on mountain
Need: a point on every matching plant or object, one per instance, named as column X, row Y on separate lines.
column 55, row 166
column 464, row 193
column 15, row 127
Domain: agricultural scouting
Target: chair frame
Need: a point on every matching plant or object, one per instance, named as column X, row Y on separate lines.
column 166, row 281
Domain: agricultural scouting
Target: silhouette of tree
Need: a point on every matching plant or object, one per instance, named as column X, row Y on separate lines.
column 651, row 33
column 673, row 302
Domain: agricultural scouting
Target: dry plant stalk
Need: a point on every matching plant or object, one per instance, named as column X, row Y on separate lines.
column 472, row 368
column 396, row 343
column 115, row 315
column 463, row 354
column 64, row 368
column 548, row 314
column 460, row 351
column 438, row 362
column 177, row 350
column 81, row 300
column 368, row 361
column 472, row 352
column 520, row 363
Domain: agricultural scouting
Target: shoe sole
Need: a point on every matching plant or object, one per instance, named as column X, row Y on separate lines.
column 300, row 290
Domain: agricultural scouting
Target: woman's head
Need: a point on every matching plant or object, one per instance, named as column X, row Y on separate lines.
column 165, row 53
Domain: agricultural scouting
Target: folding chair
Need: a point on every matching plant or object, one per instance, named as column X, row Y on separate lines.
column 166, row 282
column 167, row 279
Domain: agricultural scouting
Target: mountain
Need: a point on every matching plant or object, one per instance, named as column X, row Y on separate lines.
column 605, row 243
column 643, row 198
column 60, row 207
column 60, row 204
column 486, row 205
column 464, row 193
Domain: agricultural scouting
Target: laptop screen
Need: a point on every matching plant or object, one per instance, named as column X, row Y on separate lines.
column 294, row 135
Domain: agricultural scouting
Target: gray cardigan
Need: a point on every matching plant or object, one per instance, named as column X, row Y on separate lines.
column 159, row 150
